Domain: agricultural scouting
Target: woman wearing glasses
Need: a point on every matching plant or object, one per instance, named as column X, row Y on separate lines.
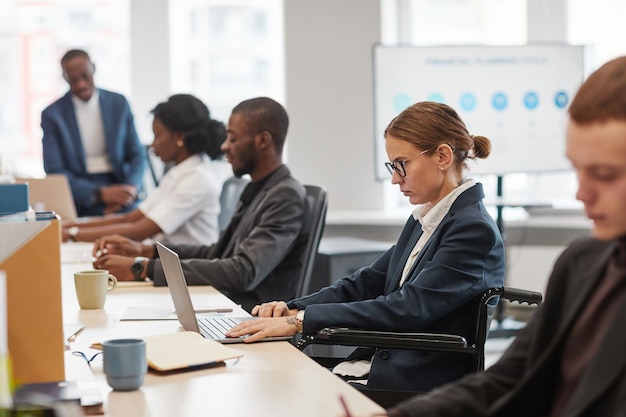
column 449, row 251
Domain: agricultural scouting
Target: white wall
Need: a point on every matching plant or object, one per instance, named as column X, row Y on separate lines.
column 329, row 92
column 150, row 61
column 547, row 20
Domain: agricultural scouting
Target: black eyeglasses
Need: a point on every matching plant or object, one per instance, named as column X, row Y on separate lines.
column 399, row 166
column 88, row 360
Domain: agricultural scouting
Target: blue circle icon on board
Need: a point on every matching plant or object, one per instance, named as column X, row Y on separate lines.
column 499, row 101
column 468, row 102
column 531, row 100
column 401, row 102
column 561, row 99
column 436, row 97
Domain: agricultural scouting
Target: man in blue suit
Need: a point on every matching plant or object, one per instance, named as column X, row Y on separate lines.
column 89, row 135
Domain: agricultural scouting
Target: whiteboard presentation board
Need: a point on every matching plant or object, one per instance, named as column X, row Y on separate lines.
column 517, row 96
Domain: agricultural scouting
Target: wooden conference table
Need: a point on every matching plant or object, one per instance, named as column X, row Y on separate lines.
column 272, row 378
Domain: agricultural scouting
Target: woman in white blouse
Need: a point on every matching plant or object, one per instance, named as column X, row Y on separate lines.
column 184, row 208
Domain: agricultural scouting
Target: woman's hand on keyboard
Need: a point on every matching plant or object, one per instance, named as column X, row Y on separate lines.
column 264, row 327
column 273, row 309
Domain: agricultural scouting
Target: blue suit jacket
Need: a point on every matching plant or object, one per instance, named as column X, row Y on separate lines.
column 63, row 151
column 463, row 257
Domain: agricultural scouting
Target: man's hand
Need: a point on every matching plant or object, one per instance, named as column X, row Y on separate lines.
column 259, row 329
column 273, row 309
column 121, row 245
column 117, row 265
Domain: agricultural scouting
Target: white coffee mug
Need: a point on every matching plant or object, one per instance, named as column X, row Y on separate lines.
column 92, row 287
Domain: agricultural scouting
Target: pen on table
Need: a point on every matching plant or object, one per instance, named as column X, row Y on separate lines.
column 345, row 406
column 72, row 338
column 213, row 310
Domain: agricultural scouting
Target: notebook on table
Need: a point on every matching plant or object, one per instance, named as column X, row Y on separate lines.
column 185, row 350
column 213, row 328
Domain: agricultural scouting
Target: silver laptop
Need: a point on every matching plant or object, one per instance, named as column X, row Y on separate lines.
column 51, row 193
column 210, row 327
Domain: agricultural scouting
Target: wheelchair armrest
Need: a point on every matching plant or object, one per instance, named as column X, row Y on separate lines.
column 522, row 296
column 388, row 340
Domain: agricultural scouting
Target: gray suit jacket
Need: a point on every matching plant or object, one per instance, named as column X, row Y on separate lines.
column 523, row 381
column 263, row 258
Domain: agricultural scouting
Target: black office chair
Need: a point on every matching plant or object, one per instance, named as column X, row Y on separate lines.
column 423, row 341
column 229, row 197
column 317, row 205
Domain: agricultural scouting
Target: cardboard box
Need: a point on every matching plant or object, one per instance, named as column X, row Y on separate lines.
column 30, row 255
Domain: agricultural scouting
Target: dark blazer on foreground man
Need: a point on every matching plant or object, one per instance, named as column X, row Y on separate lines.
column 524, row 380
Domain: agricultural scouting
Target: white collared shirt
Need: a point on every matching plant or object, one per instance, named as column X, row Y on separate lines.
column 91, row 129
column 186, row 203
column 429, row 217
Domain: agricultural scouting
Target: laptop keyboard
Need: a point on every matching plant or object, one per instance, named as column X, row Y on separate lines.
column 215, row 328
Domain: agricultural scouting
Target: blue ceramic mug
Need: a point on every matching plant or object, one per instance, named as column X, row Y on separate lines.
column 125, row 363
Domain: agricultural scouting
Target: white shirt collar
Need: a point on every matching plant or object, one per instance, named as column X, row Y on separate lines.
column 93, row 100
column 186, row 165
column 430, row 216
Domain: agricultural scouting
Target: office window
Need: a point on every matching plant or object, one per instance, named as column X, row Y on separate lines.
column 456, row 22
column 223, row 51
column 599, row 24
column 227, row 51
column 34, row 36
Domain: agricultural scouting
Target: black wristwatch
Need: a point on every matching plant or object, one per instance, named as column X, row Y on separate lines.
column 137, row 267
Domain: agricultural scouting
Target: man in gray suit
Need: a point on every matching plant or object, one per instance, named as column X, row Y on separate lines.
column 570, row 359
column 259, row 255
